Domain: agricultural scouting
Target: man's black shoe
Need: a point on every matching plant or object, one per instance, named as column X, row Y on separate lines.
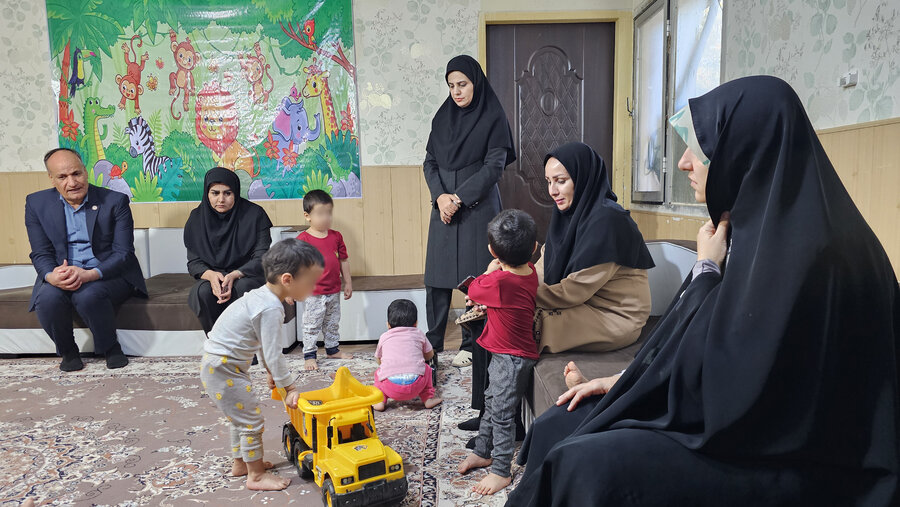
column 115, row 358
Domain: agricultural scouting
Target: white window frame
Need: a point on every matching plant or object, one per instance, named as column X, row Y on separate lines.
column 640, row 101
column 663, row 201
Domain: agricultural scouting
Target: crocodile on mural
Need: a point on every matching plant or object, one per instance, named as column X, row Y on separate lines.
column 92, row 147
column 93, row 113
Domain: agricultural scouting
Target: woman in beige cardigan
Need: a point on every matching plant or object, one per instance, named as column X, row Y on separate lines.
column 594, row 295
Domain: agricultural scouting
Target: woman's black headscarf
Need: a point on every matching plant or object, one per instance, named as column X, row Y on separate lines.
column 224, row 240
column 594, row 229
column 461, row 136
column 790, row 361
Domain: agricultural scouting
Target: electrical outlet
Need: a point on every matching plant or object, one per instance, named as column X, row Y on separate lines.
column 849, row 79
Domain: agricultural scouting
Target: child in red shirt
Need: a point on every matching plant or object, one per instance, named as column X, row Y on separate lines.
column 322, row 310
column 506, row 291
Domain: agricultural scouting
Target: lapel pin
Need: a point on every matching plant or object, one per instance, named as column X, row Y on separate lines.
column 94, row 208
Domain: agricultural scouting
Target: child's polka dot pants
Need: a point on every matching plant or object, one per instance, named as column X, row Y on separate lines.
column 227, row 382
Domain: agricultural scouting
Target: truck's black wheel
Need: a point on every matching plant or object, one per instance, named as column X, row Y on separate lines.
column 304, row 471
column 286, row 440
column 328, row 493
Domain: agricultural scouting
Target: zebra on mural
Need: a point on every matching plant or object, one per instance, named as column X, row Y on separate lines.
column 141, row 138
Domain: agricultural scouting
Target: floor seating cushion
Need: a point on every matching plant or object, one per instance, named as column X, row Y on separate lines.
column 549, row 382
column 163, row 325
column 159, row 325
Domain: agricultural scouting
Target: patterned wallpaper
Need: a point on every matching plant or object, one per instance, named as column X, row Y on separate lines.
column 402, row 49
column 27, row 106
column 811, row 43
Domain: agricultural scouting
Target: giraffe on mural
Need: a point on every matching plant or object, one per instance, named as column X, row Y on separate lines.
column 317, row 85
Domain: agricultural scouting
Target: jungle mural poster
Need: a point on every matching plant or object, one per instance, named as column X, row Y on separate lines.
column 153, row 93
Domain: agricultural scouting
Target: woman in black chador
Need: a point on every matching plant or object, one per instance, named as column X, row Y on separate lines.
column 772, row 378
column 226, row 237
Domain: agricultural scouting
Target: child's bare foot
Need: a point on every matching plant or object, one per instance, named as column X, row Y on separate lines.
column 310, row 364
column 573, row 375
column 472, row 462
column 29, row 502
column 491, row 484
column 267, row 482
column 239, row 468
column 379, row 407
column 341, row 355
column 433, row 402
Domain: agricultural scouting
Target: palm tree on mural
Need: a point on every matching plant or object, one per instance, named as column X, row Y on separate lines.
column 84, row 27
column 147, row 14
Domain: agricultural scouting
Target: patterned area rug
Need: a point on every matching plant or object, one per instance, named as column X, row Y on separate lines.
column 145, row 435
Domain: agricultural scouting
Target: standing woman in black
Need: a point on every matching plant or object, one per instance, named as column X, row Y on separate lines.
column 226, row 237
column 469, row 146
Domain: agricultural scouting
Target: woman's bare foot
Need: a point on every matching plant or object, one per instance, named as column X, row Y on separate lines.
column 379, row 407
column 573, row 375
column 239, row 468
column 491, row 484
column 267, row 482
column 340, row 355
column 433, row 402
column 310, row 364
column 472, row 462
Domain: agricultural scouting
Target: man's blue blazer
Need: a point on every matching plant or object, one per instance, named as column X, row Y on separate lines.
column 110, row 227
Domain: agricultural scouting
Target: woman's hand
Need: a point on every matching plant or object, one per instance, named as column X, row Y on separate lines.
column 591, row 388
column 447, row 206
column 230, row 278
column 228, row 284
column 712, row 242
column 215, row 280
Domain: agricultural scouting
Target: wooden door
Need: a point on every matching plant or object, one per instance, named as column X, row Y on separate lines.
column 555, row 82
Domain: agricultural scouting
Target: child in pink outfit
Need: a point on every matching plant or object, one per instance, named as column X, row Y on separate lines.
column 401, row 354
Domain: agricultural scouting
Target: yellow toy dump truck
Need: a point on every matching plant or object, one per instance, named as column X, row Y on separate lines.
column 331, row 438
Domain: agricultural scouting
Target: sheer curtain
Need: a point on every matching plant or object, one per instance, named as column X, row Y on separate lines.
column 697, row 64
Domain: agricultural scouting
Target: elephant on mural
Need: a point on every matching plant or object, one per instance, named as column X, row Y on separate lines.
column 292, row 126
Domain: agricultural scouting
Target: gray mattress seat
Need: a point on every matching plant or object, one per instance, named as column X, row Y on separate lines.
column 549, row 382
column 166, row 308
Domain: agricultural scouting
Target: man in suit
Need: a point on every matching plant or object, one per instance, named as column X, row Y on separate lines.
column 82, row 247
